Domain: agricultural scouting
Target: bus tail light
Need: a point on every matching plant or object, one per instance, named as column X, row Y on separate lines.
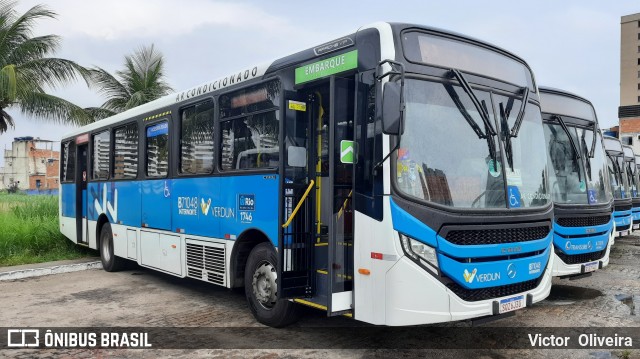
column 419, row 251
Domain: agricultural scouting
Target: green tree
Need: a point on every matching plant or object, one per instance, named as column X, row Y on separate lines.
column 142, row 80
column 26, row 69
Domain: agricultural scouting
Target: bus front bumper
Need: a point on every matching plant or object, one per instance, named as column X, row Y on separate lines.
column 561, row 269
column 414, row 297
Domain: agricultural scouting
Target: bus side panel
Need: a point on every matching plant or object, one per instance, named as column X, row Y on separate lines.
column 224, row 207
column 256, row 200
column 120, row 202
column 68, row 195
column 68, row 211
column 193, row 201
column 156, row 204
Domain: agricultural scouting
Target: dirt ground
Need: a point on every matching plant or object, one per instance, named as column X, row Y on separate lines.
column 144, row 298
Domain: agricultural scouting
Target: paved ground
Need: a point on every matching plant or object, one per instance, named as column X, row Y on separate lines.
column 141, row 297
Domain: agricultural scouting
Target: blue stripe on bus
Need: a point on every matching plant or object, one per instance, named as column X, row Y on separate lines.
column 622, row 218
column 492, row 274
column 582, row 239
column 217, row 207
column 407, row 224
column 477, row 274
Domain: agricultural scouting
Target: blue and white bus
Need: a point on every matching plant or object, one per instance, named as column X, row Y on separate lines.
column 632, row 172
column 620, row 186
column 580, row 188
column 394, row 175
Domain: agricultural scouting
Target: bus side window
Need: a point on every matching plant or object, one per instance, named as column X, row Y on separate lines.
column 68, row 162
column 250, row 128
column 196, row 138
column 125, row 152
column 157, row 150
column 100, row 155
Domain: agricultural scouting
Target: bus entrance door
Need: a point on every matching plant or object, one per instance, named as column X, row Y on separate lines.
column 81, row 194
column 316, row 260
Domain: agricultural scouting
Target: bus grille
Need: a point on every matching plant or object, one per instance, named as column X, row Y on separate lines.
column 580, row 258
column 206, row 262
column 497, row 236
column 583, row 221
column 622, row 228
column 622, row 207
column 474, row 295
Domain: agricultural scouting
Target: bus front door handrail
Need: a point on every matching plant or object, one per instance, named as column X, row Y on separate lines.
column 295, row 210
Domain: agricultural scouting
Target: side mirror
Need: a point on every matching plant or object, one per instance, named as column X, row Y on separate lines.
column 392, row 111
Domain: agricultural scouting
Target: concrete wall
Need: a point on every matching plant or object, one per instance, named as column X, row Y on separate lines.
column 30, row 162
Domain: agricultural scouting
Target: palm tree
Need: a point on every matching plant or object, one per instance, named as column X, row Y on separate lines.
column 141, row 81
column 26, row 70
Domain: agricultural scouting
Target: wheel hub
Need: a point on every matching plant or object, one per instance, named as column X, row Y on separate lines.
column 264, row 284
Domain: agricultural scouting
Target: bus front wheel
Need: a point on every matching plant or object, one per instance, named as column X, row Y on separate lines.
column 261, row 289
column 110, row 262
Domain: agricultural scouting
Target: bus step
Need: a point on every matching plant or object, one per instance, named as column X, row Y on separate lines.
column 315, row 302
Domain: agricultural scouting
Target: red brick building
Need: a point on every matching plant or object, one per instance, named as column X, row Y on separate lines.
column 32, row 164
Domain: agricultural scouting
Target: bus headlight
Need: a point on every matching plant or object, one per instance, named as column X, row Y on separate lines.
column 419, row 251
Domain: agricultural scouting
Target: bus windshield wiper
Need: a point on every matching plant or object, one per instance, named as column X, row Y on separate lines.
column 481, row 107
column 566, row 130
column 489, row 132
column 523, row 105
column 482, row 111
column 593, row 143
column 507, row 133
column 616, row 169
column 576, row 154
column 588, row 156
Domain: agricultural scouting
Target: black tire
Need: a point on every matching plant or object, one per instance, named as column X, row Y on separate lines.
column 110, row 262
column 279, row 313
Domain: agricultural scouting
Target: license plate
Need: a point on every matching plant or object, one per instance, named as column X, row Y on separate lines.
column 636, row 226
column 590, row 267
column 624, row 233
column 511, row 304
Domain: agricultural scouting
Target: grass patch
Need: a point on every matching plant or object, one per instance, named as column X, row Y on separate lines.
column 30, row 231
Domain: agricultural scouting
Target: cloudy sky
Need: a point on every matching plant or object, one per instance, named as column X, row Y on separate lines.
column 573, row 45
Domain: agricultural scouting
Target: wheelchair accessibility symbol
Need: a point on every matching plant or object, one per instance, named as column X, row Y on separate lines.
column 167, row 193
column 514, row 196
column 592, row 196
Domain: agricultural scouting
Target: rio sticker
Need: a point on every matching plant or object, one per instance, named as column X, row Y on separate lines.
column 246, row 206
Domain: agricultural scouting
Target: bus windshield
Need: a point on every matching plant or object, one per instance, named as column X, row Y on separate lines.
column 632, row 172
column 573, row 179
column 443, row 160
column 618, row 177
column 596, row 166
column 567, row 176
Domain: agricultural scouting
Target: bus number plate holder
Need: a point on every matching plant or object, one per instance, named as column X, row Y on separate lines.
column 591, row 266
column 510, row 304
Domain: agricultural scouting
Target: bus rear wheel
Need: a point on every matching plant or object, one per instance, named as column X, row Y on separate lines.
column 261, row 289
column 110, row 262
